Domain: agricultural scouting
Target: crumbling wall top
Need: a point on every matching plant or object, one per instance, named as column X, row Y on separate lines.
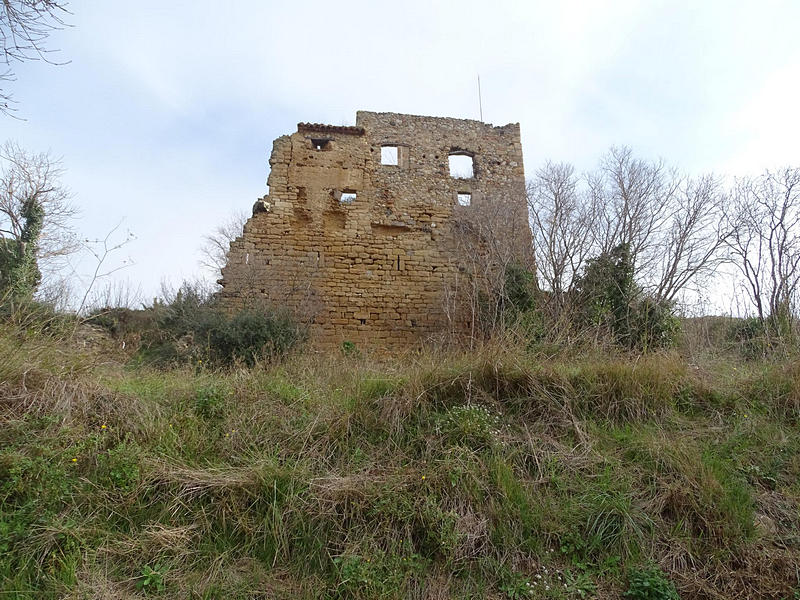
column 322, row 128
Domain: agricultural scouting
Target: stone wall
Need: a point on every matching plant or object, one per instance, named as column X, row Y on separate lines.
column 382, row 254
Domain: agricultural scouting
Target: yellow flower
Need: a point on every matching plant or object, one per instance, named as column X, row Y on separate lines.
column 102, row 426
column 74, row 460
column 423, row 478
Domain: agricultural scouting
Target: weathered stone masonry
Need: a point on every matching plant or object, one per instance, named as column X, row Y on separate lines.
column 372, row 252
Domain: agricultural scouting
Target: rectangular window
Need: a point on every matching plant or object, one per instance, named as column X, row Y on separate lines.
column 464, row 198
column 347, row 198
column 389, row 155
column 461, row 166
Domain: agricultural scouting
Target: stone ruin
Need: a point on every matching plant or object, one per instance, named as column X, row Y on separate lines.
column 382, row 234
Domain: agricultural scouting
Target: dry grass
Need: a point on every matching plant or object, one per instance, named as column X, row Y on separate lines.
column 294, row 480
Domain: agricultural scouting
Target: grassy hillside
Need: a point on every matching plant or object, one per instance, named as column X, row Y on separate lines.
column 501, row 473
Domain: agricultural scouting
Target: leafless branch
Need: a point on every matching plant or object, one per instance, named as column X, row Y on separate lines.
column 25, row 26
column 216, row 245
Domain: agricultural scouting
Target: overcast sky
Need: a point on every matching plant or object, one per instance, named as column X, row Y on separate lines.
column 166, row 113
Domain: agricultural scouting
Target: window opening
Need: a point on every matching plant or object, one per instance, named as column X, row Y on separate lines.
column 321, row 144
column 347, row 198
column 461, row 166
column 464, row 198
column 389, row 155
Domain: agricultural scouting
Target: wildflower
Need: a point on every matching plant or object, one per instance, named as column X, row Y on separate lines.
column 423, row 478
column 102, row 426
column 74, row 460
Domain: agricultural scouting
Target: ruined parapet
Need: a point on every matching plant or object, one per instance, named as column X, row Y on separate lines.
column 367, row 234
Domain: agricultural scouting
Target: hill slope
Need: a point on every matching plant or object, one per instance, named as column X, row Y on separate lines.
column 501, row 473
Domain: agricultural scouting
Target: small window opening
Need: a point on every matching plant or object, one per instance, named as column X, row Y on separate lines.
column 461, row 166
column 389, row 155
column 347, row 198
column 321, row 144
column 464, row 198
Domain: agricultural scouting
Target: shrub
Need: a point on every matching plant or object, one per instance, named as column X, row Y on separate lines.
column 192, row 328
column 606, row 290
column 654, row 325
column 36, row 318
column 750, row 336
column 246, row 336
column 609, row 299
column 520, row 288
column 122, row 322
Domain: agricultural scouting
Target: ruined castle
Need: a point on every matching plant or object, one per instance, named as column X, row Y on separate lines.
column 381, row 233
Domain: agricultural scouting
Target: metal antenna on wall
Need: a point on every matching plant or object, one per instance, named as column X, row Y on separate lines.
column 480, row 103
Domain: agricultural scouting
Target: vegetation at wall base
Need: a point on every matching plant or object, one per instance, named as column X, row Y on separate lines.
column 518, row 469
column 190, row 328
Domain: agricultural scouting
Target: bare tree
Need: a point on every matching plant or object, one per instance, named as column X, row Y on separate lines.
column 479, row 292
column 765, row 245
column 689, row 247
column 562, row 223
column 636, row 201
column 217, row 244
column 672, row 225
column 27, row 179
column 24, row 28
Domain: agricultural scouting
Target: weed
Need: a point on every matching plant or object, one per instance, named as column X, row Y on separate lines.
column 516, row 587
column 580, row 584
column 209, row 402
column 152, row 578
column 650, row 583
column 118, row 468
column 380, row 575
column 350, row 349
column 473, row 425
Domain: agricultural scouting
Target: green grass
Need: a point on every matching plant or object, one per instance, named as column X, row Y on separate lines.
column 501, row 473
